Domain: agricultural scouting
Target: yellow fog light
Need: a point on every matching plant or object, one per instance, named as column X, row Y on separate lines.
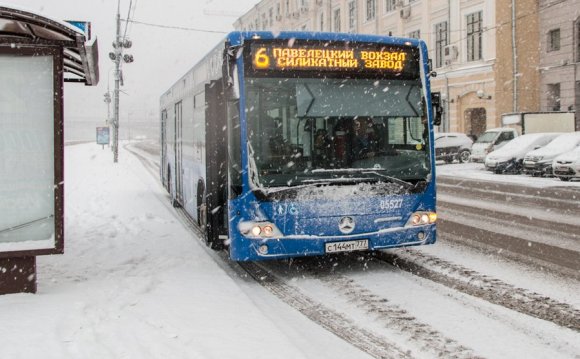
column 432, row 217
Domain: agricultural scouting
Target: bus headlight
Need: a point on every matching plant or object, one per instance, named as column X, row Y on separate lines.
column 422, row 218
column 256, row 230
column 259, row 230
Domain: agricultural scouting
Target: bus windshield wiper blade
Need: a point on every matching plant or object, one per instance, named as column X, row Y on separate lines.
column 276, row 189
column 391, row 178
column 315, row 183
column 327, row 181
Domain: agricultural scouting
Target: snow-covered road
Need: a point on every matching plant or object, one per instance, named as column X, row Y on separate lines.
column 136, row 282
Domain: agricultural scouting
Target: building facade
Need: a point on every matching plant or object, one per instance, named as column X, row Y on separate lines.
column 471, row 44
column 560, row 56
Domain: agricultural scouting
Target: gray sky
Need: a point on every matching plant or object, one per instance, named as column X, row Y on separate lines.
column 161, row 55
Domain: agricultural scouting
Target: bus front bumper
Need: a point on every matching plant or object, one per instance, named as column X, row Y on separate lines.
column 247, row 249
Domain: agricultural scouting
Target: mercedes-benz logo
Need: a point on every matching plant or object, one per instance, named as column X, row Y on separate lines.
column 346, row 225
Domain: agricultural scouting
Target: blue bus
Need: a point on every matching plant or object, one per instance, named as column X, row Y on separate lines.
column 300, row 143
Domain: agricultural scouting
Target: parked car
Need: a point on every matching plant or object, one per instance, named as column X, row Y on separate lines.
column 451, row 146
column 539, row 162
column 567, row 165
column 509, row 158
column 491, row 140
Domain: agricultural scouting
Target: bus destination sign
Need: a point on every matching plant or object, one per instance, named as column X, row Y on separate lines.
column 390, row 59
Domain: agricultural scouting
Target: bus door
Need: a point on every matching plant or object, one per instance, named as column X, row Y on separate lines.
column 216, row 164
column 178, row 152
column 163, row 141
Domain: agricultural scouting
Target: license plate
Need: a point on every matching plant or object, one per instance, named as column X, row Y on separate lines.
column 347, row 246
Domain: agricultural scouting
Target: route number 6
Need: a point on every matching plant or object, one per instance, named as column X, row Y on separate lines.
column 261, row 59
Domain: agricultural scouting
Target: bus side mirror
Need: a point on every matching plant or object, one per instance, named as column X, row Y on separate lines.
column 229, row 72
column 437, row 109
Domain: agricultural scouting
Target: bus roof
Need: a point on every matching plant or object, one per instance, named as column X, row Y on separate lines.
column 238, row 37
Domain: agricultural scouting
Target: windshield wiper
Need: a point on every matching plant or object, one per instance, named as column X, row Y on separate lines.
column 391, row 179
column 374, row 171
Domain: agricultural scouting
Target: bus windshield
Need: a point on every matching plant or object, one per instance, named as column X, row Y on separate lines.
column 320, row 130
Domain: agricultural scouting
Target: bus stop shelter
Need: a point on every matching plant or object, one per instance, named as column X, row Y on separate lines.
column 37, row 55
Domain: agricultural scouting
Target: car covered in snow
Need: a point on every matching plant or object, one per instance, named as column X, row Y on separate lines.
column 509, row 158
column 567, row 165
column 450, row 146
column 539, row 162
column 491, row 140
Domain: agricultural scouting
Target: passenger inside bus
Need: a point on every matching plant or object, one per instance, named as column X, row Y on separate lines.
column 323, row 148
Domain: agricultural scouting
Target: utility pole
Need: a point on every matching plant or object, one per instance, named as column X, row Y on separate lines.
column 116, row 56
column 117, row 77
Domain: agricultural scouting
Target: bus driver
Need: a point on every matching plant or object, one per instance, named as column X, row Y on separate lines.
column 364, row 141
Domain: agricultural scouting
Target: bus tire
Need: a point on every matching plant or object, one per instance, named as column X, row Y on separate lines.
column 206, row 222
column 210, row 233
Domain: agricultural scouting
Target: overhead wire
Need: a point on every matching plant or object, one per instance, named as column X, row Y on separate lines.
column 128, row 18
column 173, row 27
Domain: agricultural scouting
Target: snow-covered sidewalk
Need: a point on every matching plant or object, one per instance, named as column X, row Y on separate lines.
column 134, row 282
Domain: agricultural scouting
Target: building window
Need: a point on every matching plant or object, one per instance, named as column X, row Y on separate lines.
column 287, row 7
column 415, row 34
column 352, row 16
column 371, row 9
column 271, row 16
column 554, row 97
column 390, row 5
column 554, row 40
column 474, row 27
column 322, row 22
column 337, row 20
column 441, row 40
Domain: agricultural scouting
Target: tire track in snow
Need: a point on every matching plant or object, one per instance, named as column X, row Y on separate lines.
column 479, row 285
column 430, row 340
column 367, row 341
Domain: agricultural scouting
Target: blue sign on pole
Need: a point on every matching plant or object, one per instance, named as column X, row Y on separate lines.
column 84, row 26
column 102, row 135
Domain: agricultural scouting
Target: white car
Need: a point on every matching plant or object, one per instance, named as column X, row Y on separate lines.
column 539, row 162
column 509, row 158
column 567, row 165
column 452, row 145
column 491, row 140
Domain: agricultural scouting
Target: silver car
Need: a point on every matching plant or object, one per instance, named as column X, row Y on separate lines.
column 450, row 146
column 539, row 162
column 509, row 158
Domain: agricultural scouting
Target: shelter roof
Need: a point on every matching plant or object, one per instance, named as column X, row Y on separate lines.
column 20, row 27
